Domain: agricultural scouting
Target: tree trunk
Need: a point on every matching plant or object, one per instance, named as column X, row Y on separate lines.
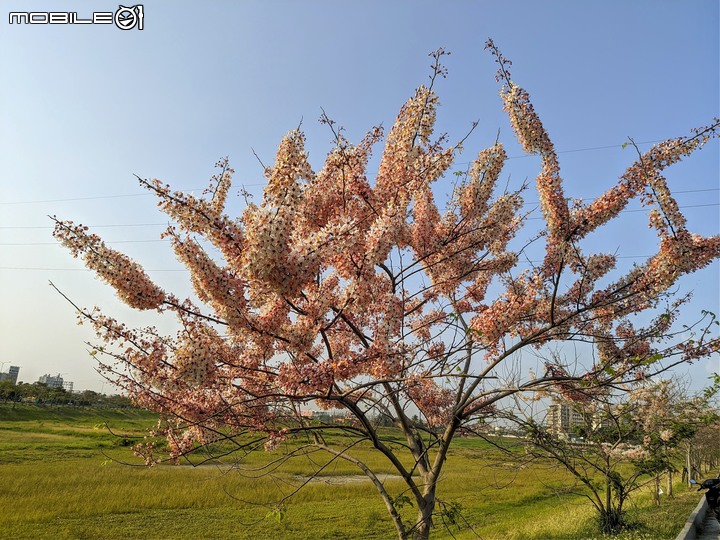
column 608, row 486
column 424, row 520
column 670, row 483
column 656, row 495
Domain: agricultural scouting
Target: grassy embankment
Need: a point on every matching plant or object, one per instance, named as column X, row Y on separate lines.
column 60, row 478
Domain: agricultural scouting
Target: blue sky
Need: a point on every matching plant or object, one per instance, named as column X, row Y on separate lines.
column 84, row 108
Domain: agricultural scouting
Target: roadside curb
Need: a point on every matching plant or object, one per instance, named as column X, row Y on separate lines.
column 694, row 522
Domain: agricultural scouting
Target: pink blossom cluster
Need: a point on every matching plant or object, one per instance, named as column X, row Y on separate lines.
column 535, row 139
column 219, row 287
column 626, row 451
column 508, row 315
column 275, row 439
column 434, row 401
column 202, row 217
column 127, row 277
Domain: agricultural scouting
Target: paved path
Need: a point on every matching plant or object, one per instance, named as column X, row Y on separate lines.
column 710, row 528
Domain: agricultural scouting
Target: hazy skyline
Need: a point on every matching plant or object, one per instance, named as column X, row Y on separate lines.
column 85, row 107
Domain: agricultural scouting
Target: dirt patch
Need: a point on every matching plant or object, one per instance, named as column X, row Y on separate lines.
column 342, row 479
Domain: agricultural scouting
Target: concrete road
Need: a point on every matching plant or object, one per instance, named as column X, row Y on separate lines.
column 710, row 528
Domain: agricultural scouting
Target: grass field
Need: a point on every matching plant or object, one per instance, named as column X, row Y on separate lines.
column 61, row 477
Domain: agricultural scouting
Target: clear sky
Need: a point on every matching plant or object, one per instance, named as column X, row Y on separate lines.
column 85, row 107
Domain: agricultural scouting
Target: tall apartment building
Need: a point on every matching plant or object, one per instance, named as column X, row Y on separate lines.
column 56, row 382
column 52, row 381
column 562, row 418
column 11, row 375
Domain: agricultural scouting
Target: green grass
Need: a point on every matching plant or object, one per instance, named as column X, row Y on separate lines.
column 60, row 478
column 29, row 433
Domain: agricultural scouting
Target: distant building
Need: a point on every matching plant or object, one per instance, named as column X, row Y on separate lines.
column 562, row 418
column 52, row 381
column 11, row 375
column 601, row 422
column 68, row 386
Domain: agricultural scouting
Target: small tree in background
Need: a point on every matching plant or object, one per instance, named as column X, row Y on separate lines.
column 702, row 453
column 367, row 297
column 9, row 391
column 622, row 443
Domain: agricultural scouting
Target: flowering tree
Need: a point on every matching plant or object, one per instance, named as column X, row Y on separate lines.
column 366, row 297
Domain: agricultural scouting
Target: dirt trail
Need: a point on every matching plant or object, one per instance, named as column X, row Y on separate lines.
column 342, row 479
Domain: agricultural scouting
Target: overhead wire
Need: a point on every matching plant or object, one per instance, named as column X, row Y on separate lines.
column 96, row 197
column 185, row 270
column 42, row 269
column 71, row 199
column 45, row 227
column 704, row 190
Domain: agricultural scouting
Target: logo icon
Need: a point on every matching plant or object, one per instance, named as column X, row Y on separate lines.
column 126, row 18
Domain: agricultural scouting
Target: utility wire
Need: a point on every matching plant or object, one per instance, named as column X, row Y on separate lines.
column 79, row 269
column 164, row 224
column 589, row 149
column 36, row 268
column 93, row 226
column 167, row 240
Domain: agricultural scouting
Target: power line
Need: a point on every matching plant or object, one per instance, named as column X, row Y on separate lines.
column 164, row 224
column 40, row 269
column 106, row 241
column 47, row 227
column 645, row 209
column 70, row 199
column 589, row 149
column 154, row 240
column 34, row 268
column 92, row 198
column 680, row 207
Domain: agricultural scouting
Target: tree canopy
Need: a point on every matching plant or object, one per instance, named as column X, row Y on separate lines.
column 341, row 292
